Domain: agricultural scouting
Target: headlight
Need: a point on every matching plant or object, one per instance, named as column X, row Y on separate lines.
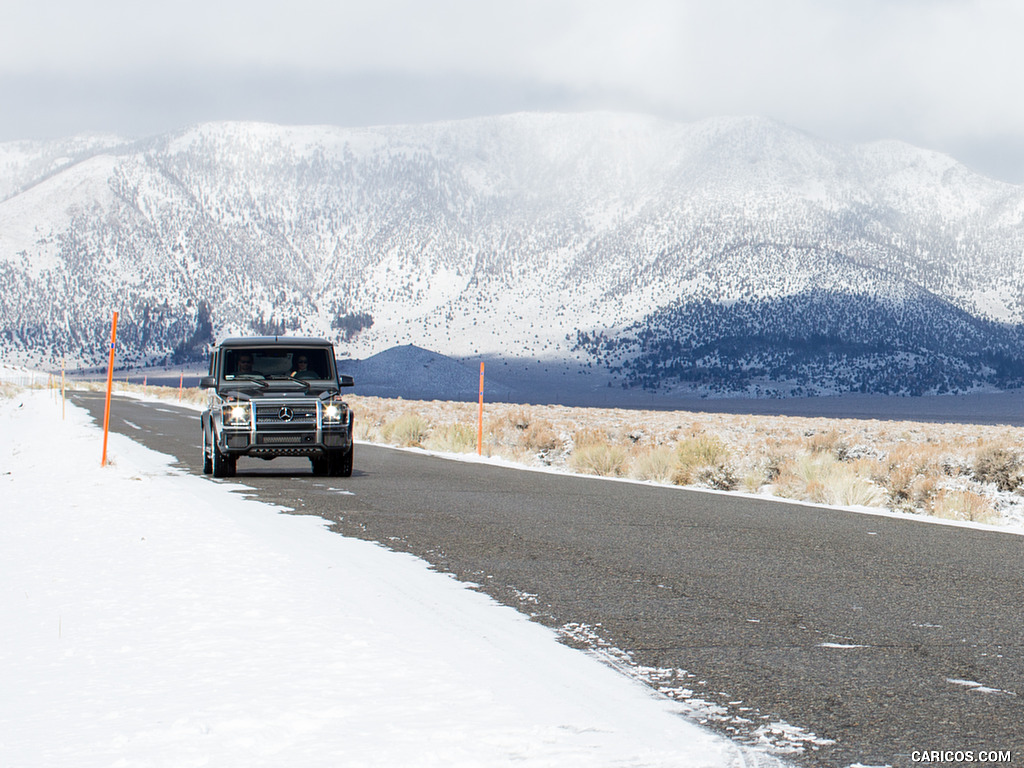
column 333, row 412
column 237, row 416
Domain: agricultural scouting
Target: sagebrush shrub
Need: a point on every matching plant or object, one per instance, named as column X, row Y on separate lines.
column 540, row 437
column 721, row 477
column 998, row 465
column 830, row 442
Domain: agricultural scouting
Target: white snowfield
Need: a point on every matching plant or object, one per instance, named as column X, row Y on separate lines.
column 153, row 618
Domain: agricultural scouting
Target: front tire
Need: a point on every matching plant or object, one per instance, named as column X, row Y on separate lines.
column 222, row 465
column 339, row 463
column 207, row 458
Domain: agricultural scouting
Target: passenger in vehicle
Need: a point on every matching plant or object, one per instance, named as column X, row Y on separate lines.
column 302, row 369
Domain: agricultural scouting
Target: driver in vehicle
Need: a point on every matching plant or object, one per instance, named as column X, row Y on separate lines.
column 244, row 364
column 243, row 367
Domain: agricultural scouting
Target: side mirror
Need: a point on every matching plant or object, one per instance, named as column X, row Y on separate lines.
column 346, row 381
column 207, row 382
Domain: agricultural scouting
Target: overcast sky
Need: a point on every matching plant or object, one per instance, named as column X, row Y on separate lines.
column 942, row 74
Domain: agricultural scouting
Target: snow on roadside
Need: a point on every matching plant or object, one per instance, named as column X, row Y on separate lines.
column 150, row 617
column 23, row 377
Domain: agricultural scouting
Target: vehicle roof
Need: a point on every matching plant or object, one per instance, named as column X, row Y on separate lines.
column 262, row 341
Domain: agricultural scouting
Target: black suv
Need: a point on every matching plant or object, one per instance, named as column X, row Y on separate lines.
column 276, row 396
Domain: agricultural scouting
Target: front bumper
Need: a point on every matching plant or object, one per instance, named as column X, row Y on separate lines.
column 287, row 427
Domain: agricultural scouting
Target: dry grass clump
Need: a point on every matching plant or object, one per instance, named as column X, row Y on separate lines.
column 704, row 460
column 823, row 479
column 408, row 430
column 602, row 459
column 963, row 505
column 451, row 438
column 593, row 452
column 656, row 464
column 8, row 390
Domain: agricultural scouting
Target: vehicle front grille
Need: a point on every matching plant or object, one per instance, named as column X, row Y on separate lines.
column 297, row 414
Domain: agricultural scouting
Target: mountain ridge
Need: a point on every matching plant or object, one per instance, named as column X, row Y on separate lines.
column 615, row 244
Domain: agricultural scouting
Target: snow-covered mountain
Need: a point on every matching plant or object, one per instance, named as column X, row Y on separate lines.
column 730, row 253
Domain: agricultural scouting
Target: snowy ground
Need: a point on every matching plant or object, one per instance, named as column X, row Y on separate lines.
column 153, row 618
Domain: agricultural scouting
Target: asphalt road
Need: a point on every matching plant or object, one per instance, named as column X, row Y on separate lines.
column 886, row 636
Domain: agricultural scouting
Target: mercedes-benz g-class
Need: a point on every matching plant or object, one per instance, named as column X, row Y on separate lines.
column 276, row 396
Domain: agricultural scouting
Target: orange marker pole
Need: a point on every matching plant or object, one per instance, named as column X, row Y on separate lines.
column 181, row 385
column 480, row 417
column 110, row 386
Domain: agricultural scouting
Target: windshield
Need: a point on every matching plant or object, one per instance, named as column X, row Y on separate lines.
column 311, row 364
